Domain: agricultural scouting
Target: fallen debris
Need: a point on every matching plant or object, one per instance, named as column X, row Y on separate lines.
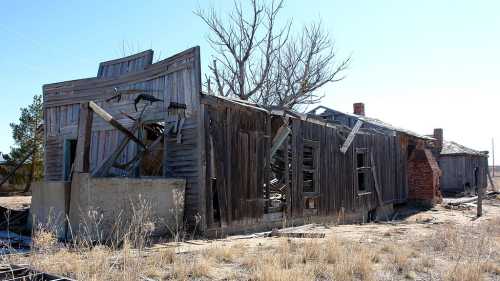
column 276, row 233
column 10, row 272
column 13, row 219
column 11, row 242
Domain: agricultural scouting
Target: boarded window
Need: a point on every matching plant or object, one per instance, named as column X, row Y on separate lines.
column 310, row 166
column 362, row 170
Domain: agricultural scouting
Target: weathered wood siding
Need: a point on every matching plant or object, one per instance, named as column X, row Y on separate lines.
column 458, row 170
column 175, row 79
column 134, row 63
column 238, row 148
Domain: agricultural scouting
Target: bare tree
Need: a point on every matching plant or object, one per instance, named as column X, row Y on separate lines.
column 256, row 60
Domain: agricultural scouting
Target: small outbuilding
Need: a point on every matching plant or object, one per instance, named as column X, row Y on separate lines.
column 464, row 169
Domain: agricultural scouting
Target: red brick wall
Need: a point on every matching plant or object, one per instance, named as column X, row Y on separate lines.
column 423, row 176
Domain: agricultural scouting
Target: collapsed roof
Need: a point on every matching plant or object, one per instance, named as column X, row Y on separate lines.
column 453, row 148
column 370, row 120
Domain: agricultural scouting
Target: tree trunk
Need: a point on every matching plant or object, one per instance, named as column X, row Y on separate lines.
column 27, row 187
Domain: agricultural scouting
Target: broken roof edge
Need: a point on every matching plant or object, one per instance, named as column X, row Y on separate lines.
column 373, row 121
column 451, row 148
column 273, row 110
column 70, row 83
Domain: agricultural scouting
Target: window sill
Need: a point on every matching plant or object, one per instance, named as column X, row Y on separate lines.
column 365, row 193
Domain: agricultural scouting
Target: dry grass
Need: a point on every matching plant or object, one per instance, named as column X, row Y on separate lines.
column 447, row 253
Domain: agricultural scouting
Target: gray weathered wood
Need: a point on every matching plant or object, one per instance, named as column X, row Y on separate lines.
column 279, row 138
column 108, row 118
column 376, row 184
column 351, row 136
column 82, row 159
column 490, row 179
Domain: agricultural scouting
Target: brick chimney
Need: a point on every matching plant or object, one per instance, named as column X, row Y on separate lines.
column 438, row 135
column 359, row 108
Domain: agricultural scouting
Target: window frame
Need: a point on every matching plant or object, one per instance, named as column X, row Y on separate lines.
column 364, row 169
column 315, row 145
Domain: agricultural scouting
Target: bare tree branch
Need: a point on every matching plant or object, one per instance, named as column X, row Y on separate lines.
column 257, row 60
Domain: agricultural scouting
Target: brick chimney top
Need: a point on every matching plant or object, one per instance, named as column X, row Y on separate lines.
column 359, row 108
column 438, row 135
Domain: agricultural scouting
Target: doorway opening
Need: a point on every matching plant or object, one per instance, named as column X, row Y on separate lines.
column 69, row 157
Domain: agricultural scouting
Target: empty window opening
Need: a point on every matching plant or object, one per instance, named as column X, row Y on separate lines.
column 362, row 182
column 310, row 166
column 362, row 170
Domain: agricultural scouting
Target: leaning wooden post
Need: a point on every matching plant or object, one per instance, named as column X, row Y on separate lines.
column 479, row 201
column 491, row 180
column 82, row 159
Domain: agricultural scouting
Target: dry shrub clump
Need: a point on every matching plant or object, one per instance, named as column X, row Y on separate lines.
column 472, row 251
column 223, row 253
column 328, row 259
column 96, row 255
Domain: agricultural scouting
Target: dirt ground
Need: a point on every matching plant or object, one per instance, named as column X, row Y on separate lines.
column 441, row 243
column 15, row 202
column 422, row 223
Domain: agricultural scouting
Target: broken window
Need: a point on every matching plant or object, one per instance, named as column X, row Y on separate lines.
column 152, row 162
column 362, row 170
column 310, row 166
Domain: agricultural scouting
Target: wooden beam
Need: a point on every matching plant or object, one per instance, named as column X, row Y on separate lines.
column 490, row 179
column 103, row 169
column 279, row 138
column 82, row 162
column 480, row 192
column 113, row 122
column 377, row 187
column 351, row 136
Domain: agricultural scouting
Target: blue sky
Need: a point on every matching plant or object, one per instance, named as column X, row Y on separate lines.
column 416, row 64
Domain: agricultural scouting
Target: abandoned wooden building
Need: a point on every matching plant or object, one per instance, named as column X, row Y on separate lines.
column 143, row 128
column 419, row 176
column 464, row 169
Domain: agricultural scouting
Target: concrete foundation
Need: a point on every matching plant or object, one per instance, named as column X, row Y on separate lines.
column 101, row 208
column 49, row 206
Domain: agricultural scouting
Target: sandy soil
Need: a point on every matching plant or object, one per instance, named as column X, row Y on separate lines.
column 15, row 202
column 419, row 224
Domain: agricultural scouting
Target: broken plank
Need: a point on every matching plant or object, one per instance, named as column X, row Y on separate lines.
column 279, row 138
column 113, row 122
column 351, row 136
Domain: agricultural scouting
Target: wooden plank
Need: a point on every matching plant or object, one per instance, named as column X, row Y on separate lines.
column 351, row 136
column 108, row 118
column 279, row 138
column 82, row 159
column 103, row 169
column 490, row 179
column 375, row 180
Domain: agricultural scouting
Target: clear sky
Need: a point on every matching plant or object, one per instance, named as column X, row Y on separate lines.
column 416, row 64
